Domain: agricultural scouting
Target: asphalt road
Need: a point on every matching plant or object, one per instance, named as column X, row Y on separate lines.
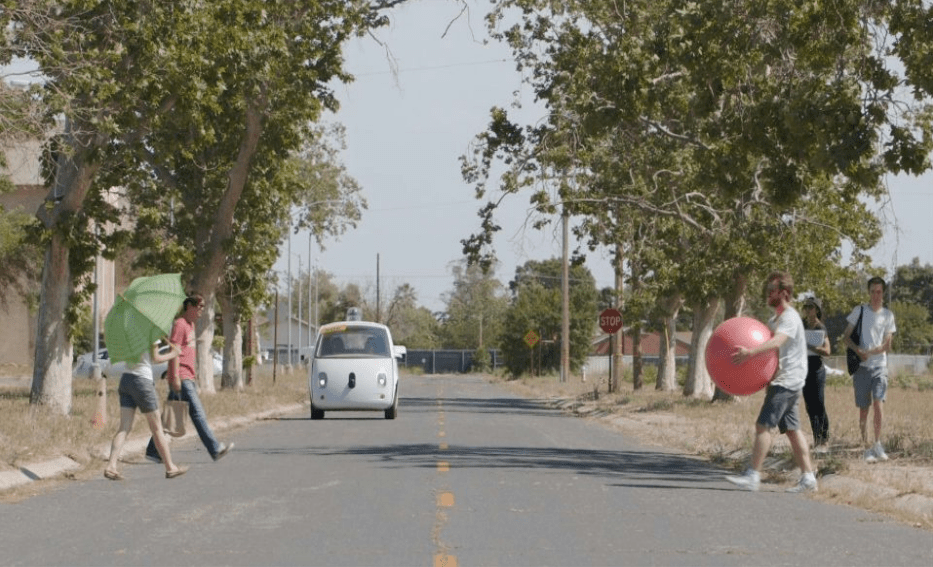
column 467, row 475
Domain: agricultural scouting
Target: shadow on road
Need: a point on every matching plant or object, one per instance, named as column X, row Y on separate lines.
column 478, row 405
column 644, row 469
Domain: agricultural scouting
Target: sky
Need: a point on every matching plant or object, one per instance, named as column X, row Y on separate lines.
column 405, row 135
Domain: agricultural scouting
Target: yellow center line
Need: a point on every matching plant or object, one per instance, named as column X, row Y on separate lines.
column 445, row 499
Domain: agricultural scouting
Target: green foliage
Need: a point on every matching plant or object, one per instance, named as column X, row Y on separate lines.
column 914, row 329
column 475, row 308
column 536, row 306
column 411, row 325
column 710, row 142
column 913, row 283
column 20, row 256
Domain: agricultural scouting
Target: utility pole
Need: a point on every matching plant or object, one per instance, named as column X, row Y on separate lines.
column 565, row 303
column 378, row 312
column 288, row 318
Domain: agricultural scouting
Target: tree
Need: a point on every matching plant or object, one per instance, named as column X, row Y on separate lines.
column 268, row 82
column 311, row 181
column 913, row 283
column 914, row 329
column 131, row 81
column 729, row 119
column 474, row 308
column 411, row 325
column 536, row 306
column 98, row 65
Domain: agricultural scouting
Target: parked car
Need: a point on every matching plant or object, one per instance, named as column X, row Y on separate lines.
column 83, row 366
column 354, row 366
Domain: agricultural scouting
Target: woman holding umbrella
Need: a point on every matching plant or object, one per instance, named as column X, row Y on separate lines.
column 132, row 331
column 137, row 390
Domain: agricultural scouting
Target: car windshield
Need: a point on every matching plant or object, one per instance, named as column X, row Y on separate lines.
column 350, row 341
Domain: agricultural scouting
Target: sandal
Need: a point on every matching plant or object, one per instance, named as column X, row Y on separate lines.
column 112, row 475
column 177, row 472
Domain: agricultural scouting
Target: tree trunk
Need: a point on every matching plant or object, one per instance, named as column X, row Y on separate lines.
column 51, row 376
column 699, row 384
column 212, row 250
column 232, row 376
column 667, row 364
column 637, row 361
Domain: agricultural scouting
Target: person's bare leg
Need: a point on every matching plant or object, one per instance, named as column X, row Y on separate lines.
column 863, row 424
column 761, row 447
column 878, row 406
column 161, row 443
column 798, row 444
column 116, row 446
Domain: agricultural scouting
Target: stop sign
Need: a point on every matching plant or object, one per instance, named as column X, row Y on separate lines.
column 610, row 320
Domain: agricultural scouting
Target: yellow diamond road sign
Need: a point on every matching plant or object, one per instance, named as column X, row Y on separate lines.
column 531, row 339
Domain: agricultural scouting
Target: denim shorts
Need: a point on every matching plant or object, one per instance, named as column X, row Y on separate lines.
column 138, row 392
column 870, row 383
column 780, row 409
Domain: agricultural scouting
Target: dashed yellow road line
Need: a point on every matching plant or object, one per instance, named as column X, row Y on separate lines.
column 445, row 499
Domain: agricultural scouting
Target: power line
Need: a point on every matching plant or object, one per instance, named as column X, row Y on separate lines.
column 434, row 67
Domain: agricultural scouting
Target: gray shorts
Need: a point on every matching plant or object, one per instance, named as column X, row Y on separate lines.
column 138, row 392
column 870, row 383
column 780, row 409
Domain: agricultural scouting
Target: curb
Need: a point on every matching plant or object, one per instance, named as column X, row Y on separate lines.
column 135, row 446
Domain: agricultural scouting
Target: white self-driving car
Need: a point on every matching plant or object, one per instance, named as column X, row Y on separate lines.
column 354, row 367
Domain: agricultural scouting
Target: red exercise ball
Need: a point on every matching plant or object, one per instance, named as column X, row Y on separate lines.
column 753, row 374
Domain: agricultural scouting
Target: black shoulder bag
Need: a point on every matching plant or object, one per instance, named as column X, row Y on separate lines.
column 852, row 359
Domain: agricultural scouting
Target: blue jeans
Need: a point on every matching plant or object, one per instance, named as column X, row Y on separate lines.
column 189, row 393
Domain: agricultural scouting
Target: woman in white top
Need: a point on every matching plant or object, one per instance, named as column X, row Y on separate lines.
column 137, row 390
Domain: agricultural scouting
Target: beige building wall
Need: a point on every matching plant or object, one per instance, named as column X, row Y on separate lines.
column 17, row 321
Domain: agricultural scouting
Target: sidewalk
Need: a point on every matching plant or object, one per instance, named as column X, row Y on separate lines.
column 135, row 446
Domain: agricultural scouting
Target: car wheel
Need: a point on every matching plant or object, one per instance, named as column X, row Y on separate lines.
column 392, row 412
column 316, row 413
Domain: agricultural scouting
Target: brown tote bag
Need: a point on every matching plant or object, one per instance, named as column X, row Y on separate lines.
column 174, row 417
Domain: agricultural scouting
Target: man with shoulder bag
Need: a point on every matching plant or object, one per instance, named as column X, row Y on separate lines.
column 874, row 326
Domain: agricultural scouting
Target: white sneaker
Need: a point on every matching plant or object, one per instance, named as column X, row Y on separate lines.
column 870, row 456
column 807, row 483
column 749, row 480
column 879, row 452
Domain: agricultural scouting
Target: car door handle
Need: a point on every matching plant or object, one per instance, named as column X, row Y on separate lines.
column 352, row 382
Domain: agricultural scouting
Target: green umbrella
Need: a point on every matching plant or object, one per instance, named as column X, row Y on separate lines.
column 141, row 315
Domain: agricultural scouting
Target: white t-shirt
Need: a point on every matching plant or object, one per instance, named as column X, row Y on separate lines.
column 143, row 368
column 792, row 356
column 875, row 326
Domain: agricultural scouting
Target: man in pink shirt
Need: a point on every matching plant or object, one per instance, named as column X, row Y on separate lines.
column 182, row 379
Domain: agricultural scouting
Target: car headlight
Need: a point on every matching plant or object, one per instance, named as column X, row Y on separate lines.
column 322, row 379
column 382, row 379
